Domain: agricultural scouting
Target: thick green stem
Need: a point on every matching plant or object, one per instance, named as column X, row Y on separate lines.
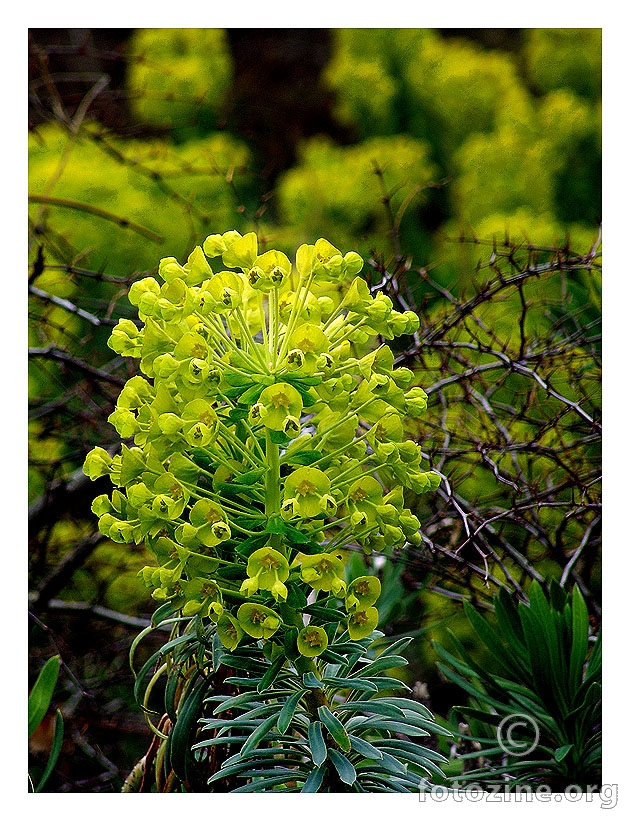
column 316, row 696
column 272, row 485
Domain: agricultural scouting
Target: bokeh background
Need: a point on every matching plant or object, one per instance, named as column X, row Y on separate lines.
column 463, row 164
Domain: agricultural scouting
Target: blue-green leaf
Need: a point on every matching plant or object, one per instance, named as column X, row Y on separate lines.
column 288, row 710
column 317, row 743
column 257, row 735
column 343, row 767
column 334, row 727
column 364, row 748
column 314, row 780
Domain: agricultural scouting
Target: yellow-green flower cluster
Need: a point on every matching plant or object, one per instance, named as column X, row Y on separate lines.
column 264, row 435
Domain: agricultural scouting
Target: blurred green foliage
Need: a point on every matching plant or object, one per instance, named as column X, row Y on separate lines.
column 518, row 148
column 178, row 79
column 565, row 58
column 335, row 188
column 158, row 197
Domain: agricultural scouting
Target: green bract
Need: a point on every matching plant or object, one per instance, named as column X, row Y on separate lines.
column 266, row 438
column 312, row 640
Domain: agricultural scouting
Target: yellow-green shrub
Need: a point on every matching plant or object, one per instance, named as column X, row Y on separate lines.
column 334, row 190
column 179, row 78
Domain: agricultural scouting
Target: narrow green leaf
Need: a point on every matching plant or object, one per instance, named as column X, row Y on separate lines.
column 301, row 458
column 313, row 781
column 58, row 738
column 580, row 636
column 562, row 752
column 490, row 638
column 233, row 701
column 288, row 710
column 310, row 680
column 180, row 738
column 399, row 645
column 331, row 656
column 165, row 611
column 317, row 743
column 389, row 683
column 382, row 708
column 42, row 693
column 330, row 614
column 344, row 768
column 351, row 683
column 334, row 727
column 508, row 622
column 558, row 597
column 364, row 748
column 406, row 704
column 271, row 674
column 392, row 764
column 250, row 477
column 259, row 785
column 594, row 663
column 383, row 663
column 257, row 735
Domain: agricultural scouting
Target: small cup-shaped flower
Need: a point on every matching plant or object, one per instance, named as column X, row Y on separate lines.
column 423, row 481
column 199, row 595
column 216, row 244
column 225, row 289
column 312, row 640
column 141, row 288
column 415, row 402
column 125, row 339
column 310, row 309
column 240, row 251
column 209, row 519
column 229, row 631
column 361, row 593
column 124, row 421
column 291, row 426
column 310, row 339
column 276, row 403
column 388, row 429
column 199, row 423
column 168, row 484
column 267, row 571
column 136, row 393
column 258, row 621
column 364, row 495
column 169, row 269
column 101, row 505
column 269, row 271
column 328, row 263
column 361, row 623
column 196, row 269
column 138, row 494
column 97, row 463
column 323, row 572
column 309, row 487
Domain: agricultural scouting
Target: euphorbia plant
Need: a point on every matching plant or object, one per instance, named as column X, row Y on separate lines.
column 266, row 442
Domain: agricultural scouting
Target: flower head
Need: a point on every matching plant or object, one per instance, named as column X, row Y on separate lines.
column 258, row 621
column 323, row 572
column 312, row 640
column 307, row 493
column 362, row 593
column 267, row 571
